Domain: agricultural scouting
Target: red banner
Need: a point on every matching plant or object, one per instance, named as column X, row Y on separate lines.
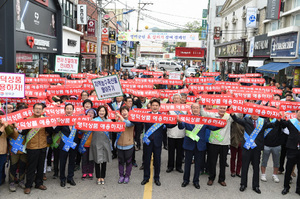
column 209, row 88
column 227, row 83
column 137, row 70
column 18, row 115
column 92, row 76
column 49, row 76
column 71, row 120
column 289, row 106
column 211, row 74
column 171, row 82
column 253, row 96
column 36, row 86
column 101, row 126
column 200, row 80
column 151, row 93
column 289, row 116
column 296, row 90
column 36, row 123
column 191, row 98
column 60, row 111
column 252, row 80
column 152, row 118
column 88, row 87
column 170, row 93
column 78, row 76
column 137, row 86
column 31, row 80
column 57, row 80
column 66, row 91
column 236, row 75
column 36, row 93
column 191, row 119
column 158, row 73
column 253, row 75
column 175, row 107
column 27, row 101
column 148, row 80
column 76, row 81
column 96, row 103
column 256, row 110
column 221, row 101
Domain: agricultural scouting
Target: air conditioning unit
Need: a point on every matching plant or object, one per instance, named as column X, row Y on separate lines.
column 244, row 14
column 226, row 24
column 234, row 20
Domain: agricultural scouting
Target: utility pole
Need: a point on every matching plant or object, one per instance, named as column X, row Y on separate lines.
column 137, row 25
column 99, row 39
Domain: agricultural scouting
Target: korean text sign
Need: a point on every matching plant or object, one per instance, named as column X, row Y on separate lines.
column 66, row 64
column 12, row 85
column 107, row 87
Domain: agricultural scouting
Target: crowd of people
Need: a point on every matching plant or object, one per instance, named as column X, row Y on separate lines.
column 246, row 136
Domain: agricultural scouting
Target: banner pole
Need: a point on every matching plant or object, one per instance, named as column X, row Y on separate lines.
column 6, row 108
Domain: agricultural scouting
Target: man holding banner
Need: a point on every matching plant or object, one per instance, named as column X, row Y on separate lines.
column 194, row 145
column 252, row 143
column 36, row 146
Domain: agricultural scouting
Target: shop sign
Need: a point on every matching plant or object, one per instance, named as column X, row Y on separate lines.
column 40, row 43
column 81, row 14
column 104, row 50
column 273, row 9
column 44, row 2
column 184, row 52
column 23, row 57
column 217, row 32
column 91, row 28
column 284, row 45
column 72, row 42
column 112, row 36
column 236, row 49
column 251, row 17
column 65, row 64
column 113, row 49
column 82, row 46
column 262, row 45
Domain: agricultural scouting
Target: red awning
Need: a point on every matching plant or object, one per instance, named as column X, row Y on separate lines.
column 88, row 56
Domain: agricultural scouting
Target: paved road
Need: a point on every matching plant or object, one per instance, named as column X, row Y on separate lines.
column 170, row 188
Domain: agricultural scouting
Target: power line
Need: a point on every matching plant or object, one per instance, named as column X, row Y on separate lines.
column 172, row 14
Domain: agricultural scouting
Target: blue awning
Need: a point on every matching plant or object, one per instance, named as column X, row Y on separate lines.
column 295, row 62
column 273, row 67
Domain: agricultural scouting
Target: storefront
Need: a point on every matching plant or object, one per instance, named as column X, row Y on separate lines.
column 259, row 52
column 71, row 42
column 231, row 57
column 112, row 56
column 29, row 45
column 104, row 55
column 284, row 49
column 88, row 51
column 194, row 56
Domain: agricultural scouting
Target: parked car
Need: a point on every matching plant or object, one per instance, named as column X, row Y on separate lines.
column 189, row 71
column 142, row 66
column 169, row 65
column 128, row 66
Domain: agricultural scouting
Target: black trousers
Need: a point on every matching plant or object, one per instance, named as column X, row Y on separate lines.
column 148, row 150
column 36, row 162
column 175, row 144
column 56, row 160
column 138, row 130
column 100, row 170
column 250, row 156
column 198, row 159
column 49, row 157
column 63, row 156
column 113, row 140
column 214, row 151
column 282, row 158
column 293, row 158
column 165, row 138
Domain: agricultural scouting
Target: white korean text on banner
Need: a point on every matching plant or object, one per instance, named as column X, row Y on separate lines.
column 158, row 36
column 174, row 75
column 12, row 85
column 65, row 64
column 107, row 87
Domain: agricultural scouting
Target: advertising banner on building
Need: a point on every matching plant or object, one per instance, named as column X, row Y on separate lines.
column 262, row 45
column 251, row 17
column 273, row 9
column 81, row 14
column 185, row 52
column 91, row 28
column 65, row 64
column 284, row 45
column 158, row 36
column 12, row 85
column 107, row 87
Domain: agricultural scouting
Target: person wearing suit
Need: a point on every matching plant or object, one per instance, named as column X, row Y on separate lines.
column 293, row 151
column 254, row 129
column 154, row 146
column 116, row 105
column 71, row 153
column 194, row 147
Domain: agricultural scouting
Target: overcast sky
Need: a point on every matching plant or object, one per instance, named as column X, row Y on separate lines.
column 177, row 12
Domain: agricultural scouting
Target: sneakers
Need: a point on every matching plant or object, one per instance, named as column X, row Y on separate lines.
column 48, row 169
column 121, row 180
column 90, row 176
column 84, row 176
column 12, row 187
column 263, row 178
column 275, row 178
column 22, row 184
column 126, row 180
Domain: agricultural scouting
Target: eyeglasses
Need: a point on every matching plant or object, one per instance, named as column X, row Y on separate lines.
column 38, row 108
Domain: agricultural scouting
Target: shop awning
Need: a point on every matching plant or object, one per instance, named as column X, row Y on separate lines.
column 236, row 60
column 273, row 67
column 256, row 63
column 295, row 62
column 89, row 56
column 221, row 60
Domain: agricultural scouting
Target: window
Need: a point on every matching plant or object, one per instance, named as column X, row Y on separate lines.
column 68, row 9
column 161, row 62
column 296, row 3
column 274, row 25
column 168, row 63
column 173, row 64
column 297, row 20
column 218, row 9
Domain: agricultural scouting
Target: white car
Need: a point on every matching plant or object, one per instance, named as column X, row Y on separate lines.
column 189, row 71
column 169, row 65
